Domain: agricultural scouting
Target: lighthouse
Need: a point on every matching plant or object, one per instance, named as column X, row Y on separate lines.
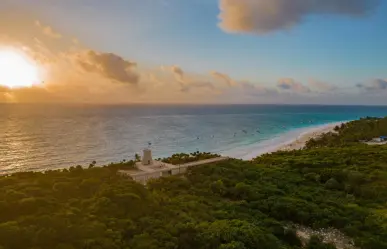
column 147, row 157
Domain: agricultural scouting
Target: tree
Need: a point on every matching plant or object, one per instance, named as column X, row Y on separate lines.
column 137, row 157
column 332, row 184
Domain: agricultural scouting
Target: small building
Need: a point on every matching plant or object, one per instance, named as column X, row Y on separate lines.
column 147, row 164
column 379, row 139
column 147, row 168
column 376, row 140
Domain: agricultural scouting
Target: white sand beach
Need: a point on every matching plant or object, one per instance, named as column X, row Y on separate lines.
column 291, row 140
column 300, row 142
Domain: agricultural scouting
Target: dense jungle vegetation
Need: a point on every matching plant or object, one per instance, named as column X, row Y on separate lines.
column 229, row 205
column 187, row 158
column 364, row 129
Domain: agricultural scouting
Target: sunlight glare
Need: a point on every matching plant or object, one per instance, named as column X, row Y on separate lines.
column 16, row 70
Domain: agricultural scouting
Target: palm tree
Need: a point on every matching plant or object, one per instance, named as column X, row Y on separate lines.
column 137, row 157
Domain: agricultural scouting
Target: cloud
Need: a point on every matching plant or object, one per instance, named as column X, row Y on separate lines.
column 190, row 86
column 374, row 85
column 154, row 80
column 321, row 86
column 230, row 82
column 73, row 73
column 289, row 84
column 3, row 89
column 108, row 65
column 256, row 90
column 189, row 83
column 40, row 52
column 179, row 73
column 250, row 93
column 33, row 94
column 266, row 16
column 47, row 30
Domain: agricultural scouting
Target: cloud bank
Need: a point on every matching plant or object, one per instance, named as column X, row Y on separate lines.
column 267, row 16
column 73, row 72
column 108, row 65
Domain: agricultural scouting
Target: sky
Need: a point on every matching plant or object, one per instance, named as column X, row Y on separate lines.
column 199, row 51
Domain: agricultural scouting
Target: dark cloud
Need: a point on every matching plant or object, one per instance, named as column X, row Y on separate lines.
column 109, row 65
column 265, row 16
column 290, row 84
column 179, row 73
column 375, row 85
column 177, row 70
column 230, row 82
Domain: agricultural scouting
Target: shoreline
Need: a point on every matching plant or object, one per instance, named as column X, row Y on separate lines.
column 291, row 140
column 300, row 142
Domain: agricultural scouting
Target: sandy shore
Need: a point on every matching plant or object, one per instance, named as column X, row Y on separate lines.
column 299, row 143
column 291, row 140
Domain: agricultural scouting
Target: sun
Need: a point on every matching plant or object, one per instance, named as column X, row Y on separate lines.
column 16, row 70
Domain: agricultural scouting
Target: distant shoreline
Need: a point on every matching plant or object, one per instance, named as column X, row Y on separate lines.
column 292, row 140
column 300, row 142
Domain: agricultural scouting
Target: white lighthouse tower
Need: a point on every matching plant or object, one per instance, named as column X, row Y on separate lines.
column 147, row 157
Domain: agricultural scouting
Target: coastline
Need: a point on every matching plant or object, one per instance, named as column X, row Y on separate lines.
column 315, row 132
column 292, row 140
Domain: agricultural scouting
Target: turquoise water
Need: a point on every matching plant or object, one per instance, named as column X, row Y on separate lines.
column 41, row 137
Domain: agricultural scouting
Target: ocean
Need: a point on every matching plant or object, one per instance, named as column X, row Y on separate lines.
column 43, row 137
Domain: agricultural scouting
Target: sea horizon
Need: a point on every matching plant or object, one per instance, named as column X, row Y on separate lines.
column 60, row 136
column 180, row 104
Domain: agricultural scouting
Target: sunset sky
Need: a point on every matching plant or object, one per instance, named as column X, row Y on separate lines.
column 194, row 51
